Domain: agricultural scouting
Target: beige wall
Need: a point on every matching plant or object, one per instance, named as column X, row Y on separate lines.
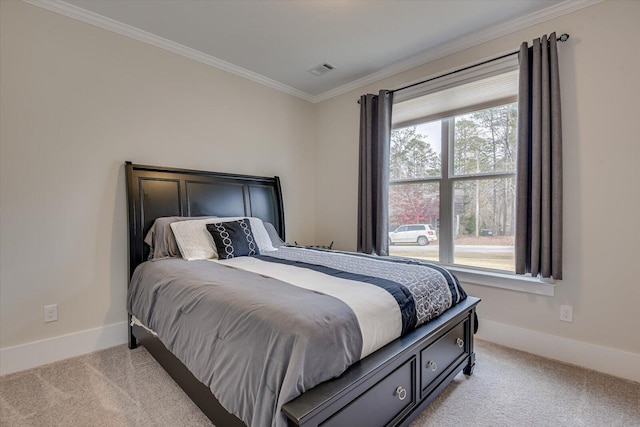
column 600, row 92
column 77, row 101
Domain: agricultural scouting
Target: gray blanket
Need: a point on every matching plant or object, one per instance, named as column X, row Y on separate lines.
column 262, row 330
column 255, row 341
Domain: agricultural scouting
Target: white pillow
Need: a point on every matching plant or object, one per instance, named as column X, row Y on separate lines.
column 195, row 241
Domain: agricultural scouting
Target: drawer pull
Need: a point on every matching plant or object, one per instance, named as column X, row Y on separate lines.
column 431, row 364
column 401, row 392
column 460, row 342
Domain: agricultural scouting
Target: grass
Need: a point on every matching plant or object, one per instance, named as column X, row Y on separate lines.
column 498, row 260
column 495, row 261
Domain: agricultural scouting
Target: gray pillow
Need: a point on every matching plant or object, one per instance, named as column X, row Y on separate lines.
column 160, row 237
column 276, row 241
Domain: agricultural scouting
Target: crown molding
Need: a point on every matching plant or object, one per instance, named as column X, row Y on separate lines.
column 463, row 43
column 452, row 47
column 92, row 18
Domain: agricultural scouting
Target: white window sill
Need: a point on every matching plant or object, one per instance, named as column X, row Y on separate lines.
column 509, row 281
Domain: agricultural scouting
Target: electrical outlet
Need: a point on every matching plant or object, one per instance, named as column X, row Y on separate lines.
column 566, row 313
column 50, row 313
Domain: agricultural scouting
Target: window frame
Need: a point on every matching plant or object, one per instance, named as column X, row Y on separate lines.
column 467, row 274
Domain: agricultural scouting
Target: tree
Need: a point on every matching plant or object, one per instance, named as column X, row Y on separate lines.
column 411, row 155
column 468, row 146
column 413, row 204
column 485, row 142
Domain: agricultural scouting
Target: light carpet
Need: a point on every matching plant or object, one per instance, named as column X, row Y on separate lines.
column 122, row 387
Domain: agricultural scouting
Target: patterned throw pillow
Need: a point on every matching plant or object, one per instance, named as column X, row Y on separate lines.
column 233, row 239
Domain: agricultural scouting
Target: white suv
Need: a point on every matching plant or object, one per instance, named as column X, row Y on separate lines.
column 421, row 234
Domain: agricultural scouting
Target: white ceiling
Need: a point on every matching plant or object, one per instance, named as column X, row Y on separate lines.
column 276, row 42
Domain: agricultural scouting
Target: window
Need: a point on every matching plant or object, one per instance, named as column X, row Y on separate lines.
column 453, row 166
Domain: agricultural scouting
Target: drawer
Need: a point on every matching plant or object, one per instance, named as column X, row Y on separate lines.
column 382, row 403
column 436, row 358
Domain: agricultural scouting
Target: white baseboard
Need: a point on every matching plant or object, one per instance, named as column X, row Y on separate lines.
column 602, row 359
column 30, row 355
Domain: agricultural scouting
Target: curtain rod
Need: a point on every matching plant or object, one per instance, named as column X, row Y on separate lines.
column 563, row 38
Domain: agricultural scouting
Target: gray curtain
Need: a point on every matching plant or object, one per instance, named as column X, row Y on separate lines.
column 373, row 178
column 539, row 177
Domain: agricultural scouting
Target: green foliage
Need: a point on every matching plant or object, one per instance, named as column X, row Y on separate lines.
column 467, row 225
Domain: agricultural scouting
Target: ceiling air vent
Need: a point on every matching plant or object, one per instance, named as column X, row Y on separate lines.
column 321, row 69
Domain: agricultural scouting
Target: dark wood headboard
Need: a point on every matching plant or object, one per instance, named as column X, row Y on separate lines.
column 154, row 192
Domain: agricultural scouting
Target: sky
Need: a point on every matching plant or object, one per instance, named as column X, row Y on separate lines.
column 434, row 134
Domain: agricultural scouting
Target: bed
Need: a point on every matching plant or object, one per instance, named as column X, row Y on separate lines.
column 380, row 386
